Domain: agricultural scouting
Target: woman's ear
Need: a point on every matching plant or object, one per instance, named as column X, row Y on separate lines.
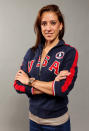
column 61, row 26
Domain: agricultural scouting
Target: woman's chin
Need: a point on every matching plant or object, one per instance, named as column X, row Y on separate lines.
column 49, row 39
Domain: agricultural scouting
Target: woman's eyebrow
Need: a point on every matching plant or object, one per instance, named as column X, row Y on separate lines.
column 48, row 21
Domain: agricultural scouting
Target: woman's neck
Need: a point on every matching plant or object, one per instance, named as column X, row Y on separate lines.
column 51, row 43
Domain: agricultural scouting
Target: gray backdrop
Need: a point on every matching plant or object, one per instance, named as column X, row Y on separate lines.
column 17, row 35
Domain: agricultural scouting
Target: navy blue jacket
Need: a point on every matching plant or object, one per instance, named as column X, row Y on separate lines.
column 61, row 57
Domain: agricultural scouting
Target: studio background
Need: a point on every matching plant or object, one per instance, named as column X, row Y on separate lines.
column 17, row 19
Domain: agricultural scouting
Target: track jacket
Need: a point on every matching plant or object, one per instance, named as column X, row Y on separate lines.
column 60, row 57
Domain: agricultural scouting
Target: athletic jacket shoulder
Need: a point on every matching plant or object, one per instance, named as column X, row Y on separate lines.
column 29, row 54
column 69, row 47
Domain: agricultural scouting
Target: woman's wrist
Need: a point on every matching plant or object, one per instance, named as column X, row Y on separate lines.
column 30, row 81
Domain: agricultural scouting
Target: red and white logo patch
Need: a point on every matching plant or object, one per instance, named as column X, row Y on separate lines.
column 60, row 55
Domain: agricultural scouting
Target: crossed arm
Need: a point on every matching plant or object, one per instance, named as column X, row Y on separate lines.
column 40, row 87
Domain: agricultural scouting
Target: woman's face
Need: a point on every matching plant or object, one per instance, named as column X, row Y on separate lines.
column 50, row 26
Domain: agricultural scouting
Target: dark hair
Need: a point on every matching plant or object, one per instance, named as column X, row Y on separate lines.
column 37, row 25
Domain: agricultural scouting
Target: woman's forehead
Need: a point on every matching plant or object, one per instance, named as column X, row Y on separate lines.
column 49, row 16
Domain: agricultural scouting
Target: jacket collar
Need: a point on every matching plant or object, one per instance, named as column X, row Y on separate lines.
column 60, row 43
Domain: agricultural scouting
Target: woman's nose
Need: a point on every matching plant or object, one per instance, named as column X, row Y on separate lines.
column 48, row 27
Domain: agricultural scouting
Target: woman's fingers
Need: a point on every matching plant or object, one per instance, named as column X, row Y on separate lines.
column 23, row 77
column 21, row 71
column 61, row 78
column 64, row 72
column 62, row 75
column 19, row 74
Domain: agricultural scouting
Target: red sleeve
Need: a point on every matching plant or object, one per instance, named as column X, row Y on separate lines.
column 63, row 87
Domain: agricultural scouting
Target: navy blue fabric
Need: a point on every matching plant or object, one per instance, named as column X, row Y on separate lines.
column 44, row 105
column 37, row 127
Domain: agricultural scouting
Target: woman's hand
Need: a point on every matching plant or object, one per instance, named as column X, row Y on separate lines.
column 62, row 75
column 22, row 77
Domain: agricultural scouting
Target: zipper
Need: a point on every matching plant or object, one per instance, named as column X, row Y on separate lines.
column 40, row 67
column 39, row 73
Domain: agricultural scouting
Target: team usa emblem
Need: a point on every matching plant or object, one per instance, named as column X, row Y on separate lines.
column 60, row 55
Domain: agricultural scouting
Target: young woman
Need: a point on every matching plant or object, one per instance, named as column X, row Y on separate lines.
column 48, row 73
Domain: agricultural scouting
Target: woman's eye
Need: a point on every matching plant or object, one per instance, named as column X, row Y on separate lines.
column 43, row 23
column 53, row 22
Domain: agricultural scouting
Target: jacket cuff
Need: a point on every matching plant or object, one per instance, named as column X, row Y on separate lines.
column 32, row 90
column 53, row 87
column 57, row 88
column 28, row 89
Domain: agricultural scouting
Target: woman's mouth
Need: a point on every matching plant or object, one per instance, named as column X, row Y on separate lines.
column 49, row 34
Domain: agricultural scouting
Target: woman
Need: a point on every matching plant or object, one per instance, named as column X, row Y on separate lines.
column 48, row 73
